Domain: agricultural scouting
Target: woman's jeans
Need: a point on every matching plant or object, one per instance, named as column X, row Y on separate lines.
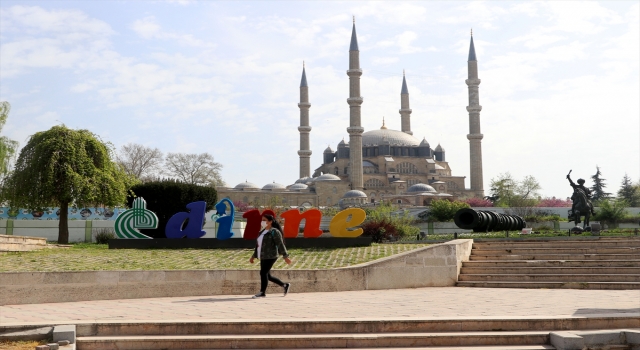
column 265, row 276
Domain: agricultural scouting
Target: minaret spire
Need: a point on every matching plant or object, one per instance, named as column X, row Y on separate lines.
column 304, row 128
column 355, row 128
column 405, row 110
column 474, row 136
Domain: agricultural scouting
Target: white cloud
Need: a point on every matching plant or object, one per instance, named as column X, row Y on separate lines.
column 148, row 28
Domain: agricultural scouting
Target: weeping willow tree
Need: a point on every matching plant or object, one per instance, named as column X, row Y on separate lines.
column 65, row 167
column 7, row 147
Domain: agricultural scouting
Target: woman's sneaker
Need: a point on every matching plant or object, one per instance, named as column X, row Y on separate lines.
column 286, row 288
column 259, row 295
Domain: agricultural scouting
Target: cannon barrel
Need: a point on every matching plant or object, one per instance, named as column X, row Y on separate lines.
column 487, row 221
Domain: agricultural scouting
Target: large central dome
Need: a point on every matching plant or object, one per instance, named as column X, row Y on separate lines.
column 394, row 137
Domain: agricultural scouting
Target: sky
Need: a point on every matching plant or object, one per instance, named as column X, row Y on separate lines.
column 560, row 84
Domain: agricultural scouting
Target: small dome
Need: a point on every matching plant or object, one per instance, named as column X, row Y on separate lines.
column 354, row 194
column 368, row 163
column 328, row 150
column 424, row 142
column 417, row 188
column 342, row 143
column 246, row 185
column 327, row 177
column 439, row 148
column 298, row 187
column 273, row 186
column 439, row 167
column 303, row 180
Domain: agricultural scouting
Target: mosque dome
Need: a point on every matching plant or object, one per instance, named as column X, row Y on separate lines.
column 304, row 180
column 328, row 150
column 327, row 177
column 246, row 185
column 417, row 188
column 298, row 187
column 273, row 186
column 394, row 137
column 439, row 148
column 424, row 142
column 354, row 194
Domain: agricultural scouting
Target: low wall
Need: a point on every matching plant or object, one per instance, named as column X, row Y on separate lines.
column 433, row 266
column 21, row 244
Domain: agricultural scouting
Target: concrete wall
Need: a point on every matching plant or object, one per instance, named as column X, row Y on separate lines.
column 433, row 266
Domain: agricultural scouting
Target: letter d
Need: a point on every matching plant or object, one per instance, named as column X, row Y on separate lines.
column 194, row 227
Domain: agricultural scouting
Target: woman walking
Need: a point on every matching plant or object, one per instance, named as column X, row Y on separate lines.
column 268, row 246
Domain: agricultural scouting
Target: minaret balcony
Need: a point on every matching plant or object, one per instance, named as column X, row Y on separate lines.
column 354, row 130
column 304, row 153
column 475, row 136
column 474, row 109
column 355, row 101
column 473, row 81
column 304, row 128
column 405, row 110
column 304, row 105
column 356, row 72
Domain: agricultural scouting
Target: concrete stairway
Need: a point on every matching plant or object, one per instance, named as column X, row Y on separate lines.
column 603, row 263
column 464, row 333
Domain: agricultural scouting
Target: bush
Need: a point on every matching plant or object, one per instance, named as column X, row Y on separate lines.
column 103, row 235
column 380, row 231
column 444, row 210
column 555, row 202
column 167, row 197
column 611, row 211
column 386, row 223
column 478, row 202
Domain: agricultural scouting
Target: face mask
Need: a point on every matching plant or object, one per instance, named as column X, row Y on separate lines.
column 263, row 224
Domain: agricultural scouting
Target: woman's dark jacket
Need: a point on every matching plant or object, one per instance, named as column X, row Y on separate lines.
column 272, row 244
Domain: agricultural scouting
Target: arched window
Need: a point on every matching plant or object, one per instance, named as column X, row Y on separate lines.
column 372, row 183
column 335, row 190
column 452, row 185
column 336, row 171
column 407, row 168
column 412, row 182
column 329, row 202
column 345, row 171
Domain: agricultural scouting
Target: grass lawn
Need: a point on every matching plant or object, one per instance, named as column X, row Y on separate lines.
column 93, row 257
column 20, row 345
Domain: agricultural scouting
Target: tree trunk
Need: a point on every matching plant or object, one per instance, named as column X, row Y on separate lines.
column 63, row 226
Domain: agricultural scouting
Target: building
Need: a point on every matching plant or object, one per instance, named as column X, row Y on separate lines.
column 376, row 165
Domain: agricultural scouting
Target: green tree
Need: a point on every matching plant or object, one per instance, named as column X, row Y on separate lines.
column 515, row 193
column 597, row 190
column 7, row 147
column 629, row 192
column 444, row 210
column 65, row 167
column 612, row 210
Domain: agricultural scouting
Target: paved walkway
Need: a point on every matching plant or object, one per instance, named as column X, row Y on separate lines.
column 421, row 303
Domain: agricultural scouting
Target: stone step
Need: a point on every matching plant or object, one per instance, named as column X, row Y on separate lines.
column 601, row 242
column 552, row 285
column 555, row 257
column 493, row 347
column 467, row 324
column 297, row 341
column 550, row 278
column 544, row 251
column 551, row 263
column 556, row 270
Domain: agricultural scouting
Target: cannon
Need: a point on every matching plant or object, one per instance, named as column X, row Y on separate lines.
column 487, row 221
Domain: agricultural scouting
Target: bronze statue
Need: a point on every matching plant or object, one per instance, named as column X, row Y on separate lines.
column 582, row 205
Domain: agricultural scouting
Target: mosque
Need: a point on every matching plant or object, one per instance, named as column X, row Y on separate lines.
column 377, row 165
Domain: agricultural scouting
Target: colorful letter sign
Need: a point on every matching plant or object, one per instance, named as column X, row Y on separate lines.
column 193, row 228
column 225, row 222
column 252, row 229
column 342, row 226
column 292, row 219
column 128, row 223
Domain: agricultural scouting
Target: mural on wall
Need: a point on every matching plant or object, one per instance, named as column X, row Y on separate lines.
column 54, row 214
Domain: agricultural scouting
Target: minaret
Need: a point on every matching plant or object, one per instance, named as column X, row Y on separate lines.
column 474, row 136
column 355, row 128
column 304, row 128
column 405, row 111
